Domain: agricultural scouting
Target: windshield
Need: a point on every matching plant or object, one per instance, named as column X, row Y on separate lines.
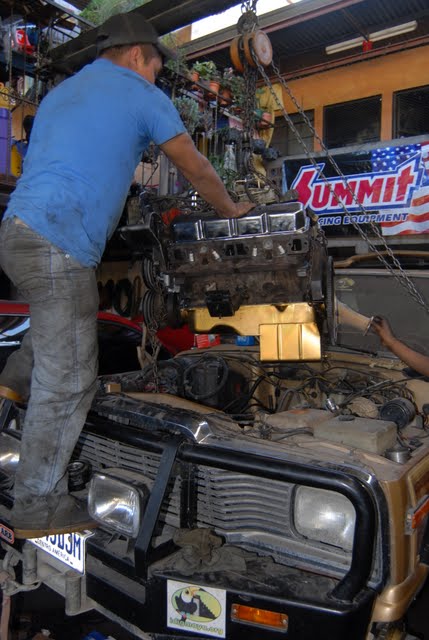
column 376, row 292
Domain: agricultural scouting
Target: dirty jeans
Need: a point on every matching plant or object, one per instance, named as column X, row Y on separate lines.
column 59, row 355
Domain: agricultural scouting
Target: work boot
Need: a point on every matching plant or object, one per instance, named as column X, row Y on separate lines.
column 49, row 515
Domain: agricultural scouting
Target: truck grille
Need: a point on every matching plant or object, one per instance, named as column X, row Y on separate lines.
column 225, row 501
column 247, row 510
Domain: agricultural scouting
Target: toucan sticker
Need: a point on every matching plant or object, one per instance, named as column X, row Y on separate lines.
column 196, row 609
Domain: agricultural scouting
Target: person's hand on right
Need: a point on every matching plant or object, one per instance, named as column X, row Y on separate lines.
column 382, row 328
column 240, row 209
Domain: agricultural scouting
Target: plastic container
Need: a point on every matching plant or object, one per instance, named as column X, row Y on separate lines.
column 204, row 340
column 245, row 341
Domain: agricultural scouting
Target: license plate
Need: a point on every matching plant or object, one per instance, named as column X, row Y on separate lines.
column 196, row 608
column 69, row 548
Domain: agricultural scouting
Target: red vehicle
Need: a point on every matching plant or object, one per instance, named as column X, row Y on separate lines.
column 118, row 337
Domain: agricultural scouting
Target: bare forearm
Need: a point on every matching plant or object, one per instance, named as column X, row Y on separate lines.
column 200, row 173
column 413, row 359
column 210, row 187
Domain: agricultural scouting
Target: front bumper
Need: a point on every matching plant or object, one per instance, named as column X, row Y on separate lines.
column 302, row 597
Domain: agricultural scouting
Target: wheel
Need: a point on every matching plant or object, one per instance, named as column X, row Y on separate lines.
column 149, row 273
column 153, row 310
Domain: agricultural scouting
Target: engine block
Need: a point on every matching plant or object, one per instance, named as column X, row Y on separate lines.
column 266, row 274
column 272, row 256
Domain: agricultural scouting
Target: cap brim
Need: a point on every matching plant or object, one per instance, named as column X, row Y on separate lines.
column 166, row 52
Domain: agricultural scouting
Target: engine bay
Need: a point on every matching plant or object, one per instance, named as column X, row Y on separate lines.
column 350, row 403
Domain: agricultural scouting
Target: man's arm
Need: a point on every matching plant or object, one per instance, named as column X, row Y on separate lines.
column 201, row 174
column 413, row 359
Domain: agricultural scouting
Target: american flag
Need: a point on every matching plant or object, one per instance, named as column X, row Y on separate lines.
column 387, row 159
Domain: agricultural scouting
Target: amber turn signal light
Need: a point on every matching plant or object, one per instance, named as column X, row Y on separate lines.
column 260, row 617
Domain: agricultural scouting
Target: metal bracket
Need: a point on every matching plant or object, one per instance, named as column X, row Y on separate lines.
column 144, row 554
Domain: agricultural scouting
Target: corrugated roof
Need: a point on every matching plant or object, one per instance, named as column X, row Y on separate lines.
column 163, row 14
column 300, row 32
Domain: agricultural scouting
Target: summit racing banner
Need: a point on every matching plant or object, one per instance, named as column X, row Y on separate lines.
column 391, row 183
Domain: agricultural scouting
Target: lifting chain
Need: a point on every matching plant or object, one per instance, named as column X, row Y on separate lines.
column 155, row 322
column 249, row 6
column 247, row 23
column 399, row 274
column 243, row 48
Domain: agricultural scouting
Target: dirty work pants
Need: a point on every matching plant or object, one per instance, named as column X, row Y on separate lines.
column 59, row 354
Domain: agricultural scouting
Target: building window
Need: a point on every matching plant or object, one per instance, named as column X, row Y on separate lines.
column 411, row 112
column 354, row 122
column 284, row 139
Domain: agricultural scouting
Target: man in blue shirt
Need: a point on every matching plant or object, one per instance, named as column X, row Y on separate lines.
column 87, row 139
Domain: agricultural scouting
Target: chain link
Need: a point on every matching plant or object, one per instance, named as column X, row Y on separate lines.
column 158, row 320
column 399, row 274
column 250, row 77
column 249, row 6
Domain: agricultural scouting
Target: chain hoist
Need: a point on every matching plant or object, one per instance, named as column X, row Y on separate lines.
column 254, row 53
column 251, row 42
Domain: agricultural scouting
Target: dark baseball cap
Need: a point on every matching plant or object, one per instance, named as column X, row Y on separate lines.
column 127, row 28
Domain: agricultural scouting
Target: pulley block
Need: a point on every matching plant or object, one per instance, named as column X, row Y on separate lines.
column 234, row 52
column 254, row 48
column 257, row 48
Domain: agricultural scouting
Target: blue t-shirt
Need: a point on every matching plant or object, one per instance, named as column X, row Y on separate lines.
column 86, row 142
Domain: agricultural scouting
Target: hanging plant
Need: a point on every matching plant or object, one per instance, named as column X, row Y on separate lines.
column 189, row 112
column 225, row 91
column 264, row 119
column 238, row 93
column 209, row 76
column 206, row 69
column 195, row 77
column 177, row 66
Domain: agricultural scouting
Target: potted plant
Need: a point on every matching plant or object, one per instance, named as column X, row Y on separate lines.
column 204, row 69
column 266, row 120
column 210, row 76
column 238, row 93
column 189, row 112
column 178, row 64
column 263, row 117
column 225, row 92
column 214, row 85
column 195, row 75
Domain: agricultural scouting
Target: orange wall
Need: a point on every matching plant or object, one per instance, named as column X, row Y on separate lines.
column 376, row 76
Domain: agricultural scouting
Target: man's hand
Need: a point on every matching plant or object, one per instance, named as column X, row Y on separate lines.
column 382, row 328
column 240, row 209
column 198, row 170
